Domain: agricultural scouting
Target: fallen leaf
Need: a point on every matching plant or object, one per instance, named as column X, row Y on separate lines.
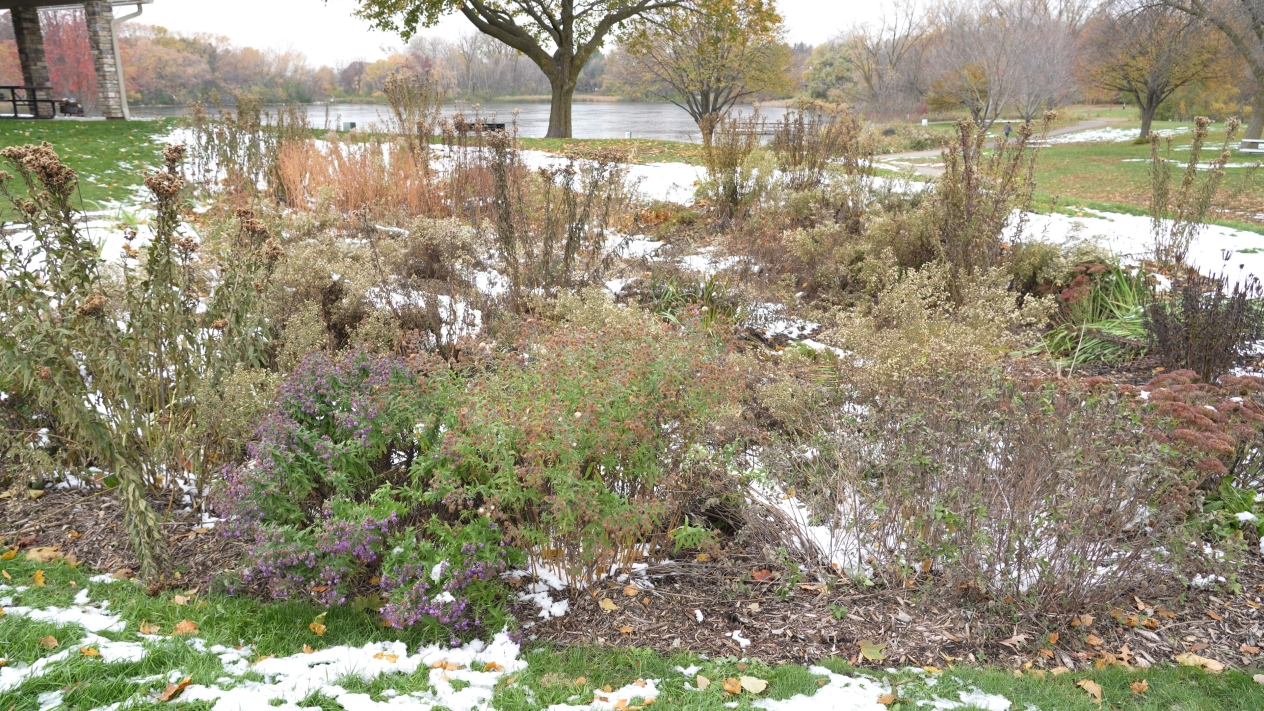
column 318, row 625
column 1046, row 653
column 761, row 576
column 320, row 588
column 702, row 558
column 173, row 690
column 9, row 554
column 704, row 682
column 631, row 591
column 44, row 554
column 733, row 685
column 1190, row 659
column 263, row 657
column 753, row 607
column 1249, row 649
column 932, row 670
column 608, row 605
column 1259, row 678
column 1053, row 638
column 621, row 705
column 38, row 578
column 1165, row 613
column 1059, row 670
column 626, row 629
column 1140, row 687
column 493, row 667
column 146, row 628
column 1093, row 640
column 90, row 651
column 185, row 627
column 581, row 681
column 35, row 493
column 887, row 699
column 873, row 651
column 607, row 688
column 392, row 658
column 307, row 649
column 814, row 587
column 6, row 575
column 754, row 684
column 181, row 600
column 1016, row 641
column 49, row 642
column 1093, row 688
column 1215, row 616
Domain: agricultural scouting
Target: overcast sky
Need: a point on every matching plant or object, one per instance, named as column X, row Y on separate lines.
column 328, row 34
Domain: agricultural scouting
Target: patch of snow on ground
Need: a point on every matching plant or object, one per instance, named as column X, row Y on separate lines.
column 771, row 321
column 841, row 693
column 1130, row 238
column 1110, row 134
column 706, row 264
column 644, row 689
column 90, row 618
column 291, row 679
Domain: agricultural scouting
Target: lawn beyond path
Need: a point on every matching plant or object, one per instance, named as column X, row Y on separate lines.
column 263, row 654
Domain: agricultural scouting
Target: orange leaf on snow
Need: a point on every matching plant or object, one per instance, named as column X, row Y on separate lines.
column 492, row 667
column 307, row 649
column 392, row 658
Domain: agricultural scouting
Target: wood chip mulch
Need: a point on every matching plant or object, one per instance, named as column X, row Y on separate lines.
column 774, row 620
column 921, row 627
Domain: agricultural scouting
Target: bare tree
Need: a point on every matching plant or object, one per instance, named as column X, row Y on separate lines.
column 978, row 53
column 1044, row 76
column 888, row 58
column 1147, row 54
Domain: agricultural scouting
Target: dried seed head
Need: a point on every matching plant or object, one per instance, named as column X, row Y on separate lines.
column 43, row 372
column 92, row 305
column 165, row 186
column 272, row 250
column 43, row 162
column 174, row 154
column 220, row 324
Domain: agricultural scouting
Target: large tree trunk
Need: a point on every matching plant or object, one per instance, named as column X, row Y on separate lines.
column 1147, row 117
column 1256, row 126
column 560, row 110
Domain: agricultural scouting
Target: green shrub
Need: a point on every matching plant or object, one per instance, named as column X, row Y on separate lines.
column 580, row 445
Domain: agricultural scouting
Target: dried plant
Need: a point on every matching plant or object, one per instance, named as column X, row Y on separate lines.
column 809, row 144
column 415, row 104
column 239, row 151
column 1176, row 219
column 726, row 156
column 119, row 359
column 1205, row 324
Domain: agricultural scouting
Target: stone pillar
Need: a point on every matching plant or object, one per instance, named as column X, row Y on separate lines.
column 100, row 17
column 30, row 41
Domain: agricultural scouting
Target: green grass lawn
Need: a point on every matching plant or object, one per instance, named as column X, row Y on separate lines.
column 553, row 675
column 111, row 157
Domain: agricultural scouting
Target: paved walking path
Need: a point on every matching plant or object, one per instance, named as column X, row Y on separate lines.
column 899, row 160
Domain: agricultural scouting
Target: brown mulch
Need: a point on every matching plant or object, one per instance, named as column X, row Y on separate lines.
column 784, row 621
column 923, row 627
column 89, row 526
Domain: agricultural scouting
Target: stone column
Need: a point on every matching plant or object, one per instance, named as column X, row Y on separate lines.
column 100, row 17
column 30, row 39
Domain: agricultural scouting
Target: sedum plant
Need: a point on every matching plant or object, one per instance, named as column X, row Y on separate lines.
column 117, row 352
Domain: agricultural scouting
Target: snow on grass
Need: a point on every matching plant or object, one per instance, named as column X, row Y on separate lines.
column 1110, row 134
column 638, row 693
column 840, row 693
column 475, row 667
column 1130, row 238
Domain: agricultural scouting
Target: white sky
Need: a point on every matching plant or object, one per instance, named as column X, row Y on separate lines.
column 328, row 34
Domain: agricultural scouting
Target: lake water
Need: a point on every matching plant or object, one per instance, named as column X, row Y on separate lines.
column 588, row 119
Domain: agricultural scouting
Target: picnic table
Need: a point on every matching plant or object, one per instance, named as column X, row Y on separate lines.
column 27, row 102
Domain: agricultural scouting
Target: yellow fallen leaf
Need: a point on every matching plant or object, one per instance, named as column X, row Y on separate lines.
column 181, row 600
column 873, row 651
column 640, row 683
column 35, row 493
column 146, row 628
column 307, row 649
column 1139, row 687
column 626, row 629
column 704, row 682
column 631, row 591
column 44, row 554
column 185, row 627
column 318, row 625
column 122, row 574
column 1059, row 670
column 887, row 699
column 9, row 554
column 1190, row 659
column 392, row 658
column 608, row 605
column 38, row 578
column 1093, row 688
column 702, row 558
column 733, row 685
column 754, row 684
column 493, row 667
column 1093, row 640
column 932, row 670
column 90, row 651
column 621, row 705
column 49, row 642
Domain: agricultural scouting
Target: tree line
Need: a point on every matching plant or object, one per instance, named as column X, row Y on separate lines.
column 989, row 58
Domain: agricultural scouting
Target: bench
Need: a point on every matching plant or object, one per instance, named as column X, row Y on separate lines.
column 1251, row 145
column 479, row 126
column 29, row 99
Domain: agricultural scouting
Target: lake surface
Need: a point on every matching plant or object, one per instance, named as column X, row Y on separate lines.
column 588, row 119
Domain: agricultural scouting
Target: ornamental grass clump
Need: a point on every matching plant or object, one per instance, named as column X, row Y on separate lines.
column 335, row 498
